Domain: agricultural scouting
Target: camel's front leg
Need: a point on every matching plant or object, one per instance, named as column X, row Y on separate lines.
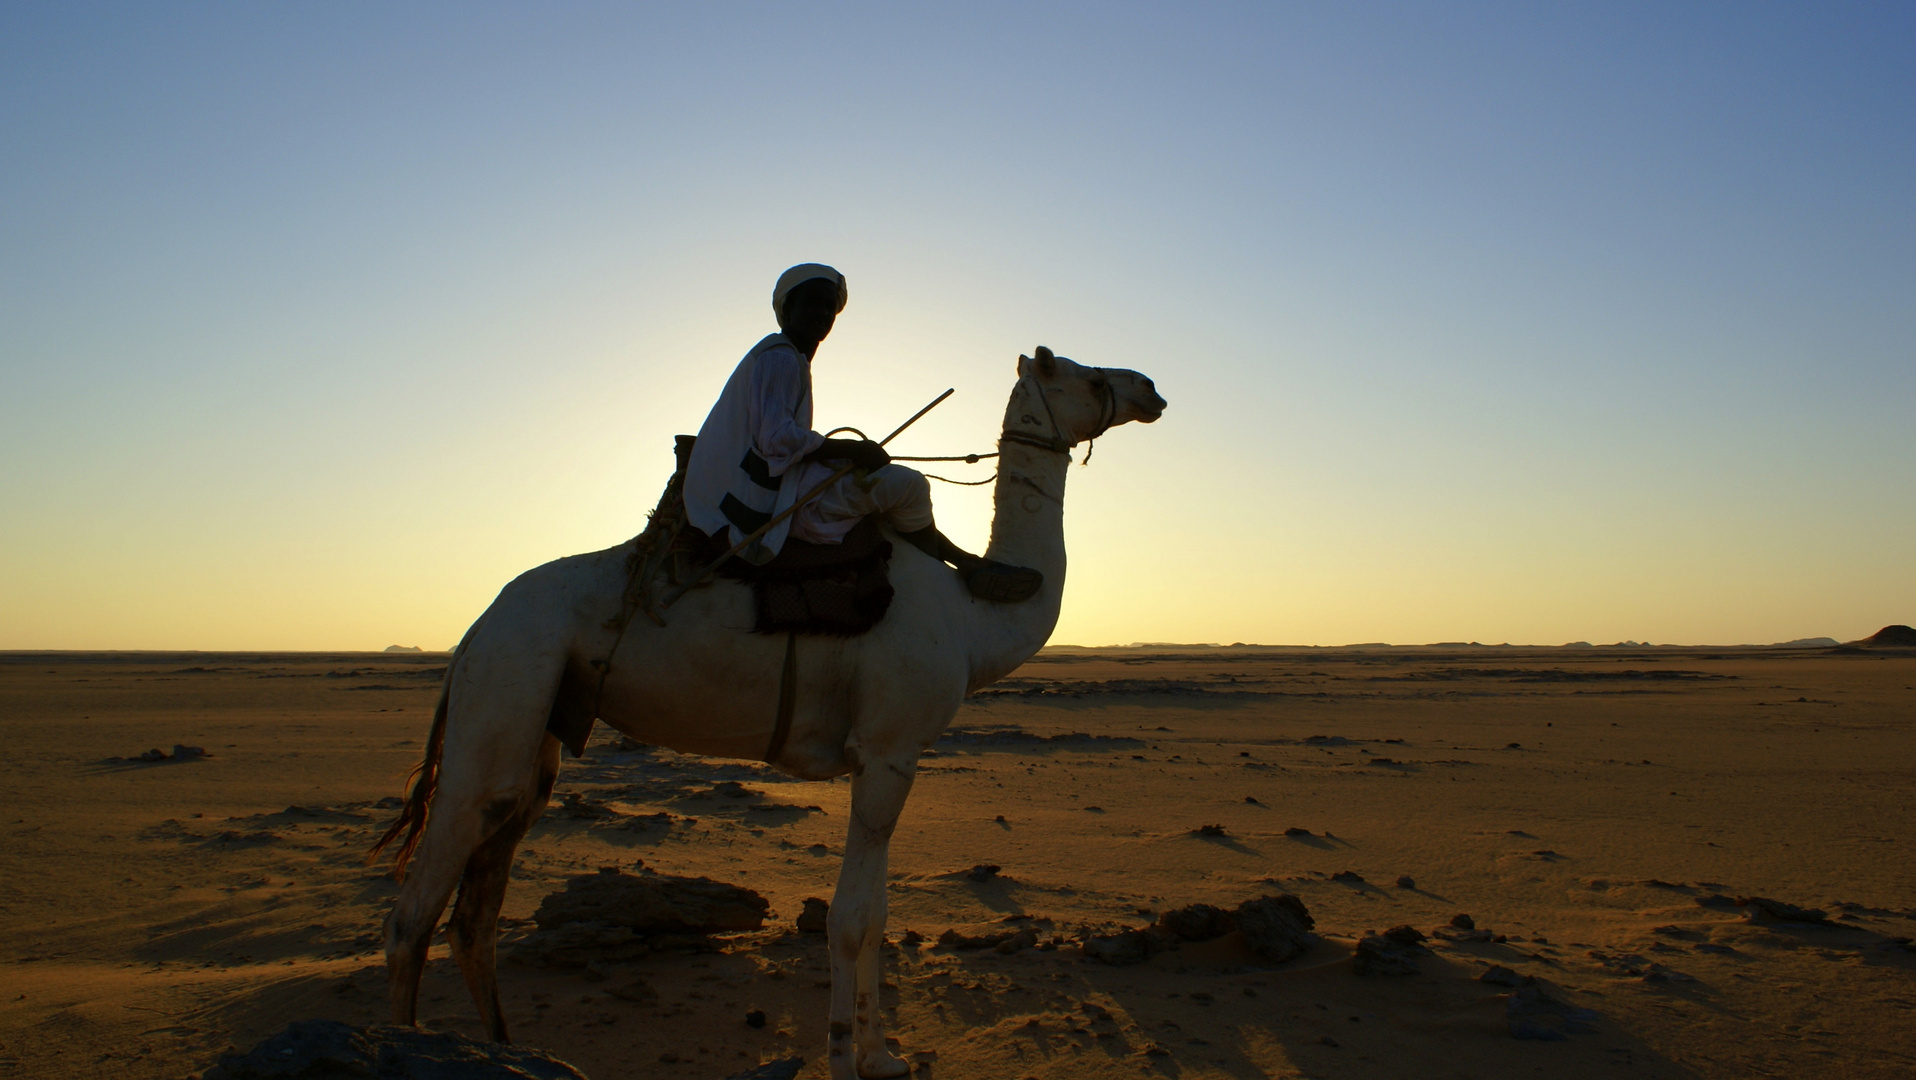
column 857, row 922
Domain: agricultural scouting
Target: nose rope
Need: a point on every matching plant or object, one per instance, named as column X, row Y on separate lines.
column 1056, row 443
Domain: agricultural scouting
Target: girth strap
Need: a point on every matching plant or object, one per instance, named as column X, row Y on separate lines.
column 787, row 701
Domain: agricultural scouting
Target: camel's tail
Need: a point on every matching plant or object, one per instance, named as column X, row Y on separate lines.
column 424, row 778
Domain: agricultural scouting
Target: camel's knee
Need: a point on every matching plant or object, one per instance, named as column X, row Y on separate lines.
column 497, row 812
column 849, row 925
column 407, row 934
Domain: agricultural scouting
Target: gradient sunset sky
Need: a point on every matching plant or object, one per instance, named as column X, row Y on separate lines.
column 1498, row 322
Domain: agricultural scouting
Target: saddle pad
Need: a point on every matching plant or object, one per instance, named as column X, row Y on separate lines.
column 837, row 589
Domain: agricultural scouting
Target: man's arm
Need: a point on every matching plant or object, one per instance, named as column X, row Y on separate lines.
column 863, row 453
column 778, row 389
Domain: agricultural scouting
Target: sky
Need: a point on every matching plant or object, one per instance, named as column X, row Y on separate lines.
column 1492, row 322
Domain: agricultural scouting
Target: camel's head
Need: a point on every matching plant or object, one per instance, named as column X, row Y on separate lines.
column 1078, row 402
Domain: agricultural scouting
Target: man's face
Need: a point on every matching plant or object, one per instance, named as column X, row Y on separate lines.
column 810, row 310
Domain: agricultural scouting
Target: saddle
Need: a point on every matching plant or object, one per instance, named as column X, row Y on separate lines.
column 841, row 590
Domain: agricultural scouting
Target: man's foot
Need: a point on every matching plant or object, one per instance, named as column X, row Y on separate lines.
column 985, row 578
column 989, row 580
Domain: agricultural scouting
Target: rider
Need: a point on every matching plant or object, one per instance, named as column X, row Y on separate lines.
column 757, row 454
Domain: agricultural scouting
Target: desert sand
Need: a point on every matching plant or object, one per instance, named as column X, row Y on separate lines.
column 1596, row 812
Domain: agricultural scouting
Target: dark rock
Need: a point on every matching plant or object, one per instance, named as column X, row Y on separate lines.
column 1007, row 941
column 1296, row 831
column 1348, row 877
column 782, row 1069
column 1463, row 922
column 1405, row 881
column 1275, row 927
column 612, row 916
column 911, row 938
column 983, row 872
column 329, row 1049
column 573, row 804
column 815, row 918
column 155, row 754
column 1503, row 976
column 1619, row 963
column 1123, row 948
column 1393, row 952
column 1199, row 922
column 188, row 753
column 1023, row 939
column 653, row 904
column 1534, row 1014
column 1209, row 830
column 1760, row 908
column 755, row 1018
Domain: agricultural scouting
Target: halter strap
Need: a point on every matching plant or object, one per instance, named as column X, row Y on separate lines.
column 1057, row 443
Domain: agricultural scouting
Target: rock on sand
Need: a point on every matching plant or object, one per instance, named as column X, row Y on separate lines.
column 329, row 1048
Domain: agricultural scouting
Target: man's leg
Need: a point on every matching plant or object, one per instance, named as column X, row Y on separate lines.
column 904, row 496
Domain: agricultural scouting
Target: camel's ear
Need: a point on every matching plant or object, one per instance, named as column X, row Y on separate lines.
column 1047, row 364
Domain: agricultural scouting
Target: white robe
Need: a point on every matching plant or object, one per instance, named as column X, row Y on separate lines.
column 748, row 465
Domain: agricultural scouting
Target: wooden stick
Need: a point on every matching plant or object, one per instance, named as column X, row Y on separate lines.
column 835, row 477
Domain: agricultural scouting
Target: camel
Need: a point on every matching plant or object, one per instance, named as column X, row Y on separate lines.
column 705, row 684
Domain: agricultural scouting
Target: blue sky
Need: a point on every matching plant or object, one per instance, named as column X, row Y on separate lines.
column 1493, row 322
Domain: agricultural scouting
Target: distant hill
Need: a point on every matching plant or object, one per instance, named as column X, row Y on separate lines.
column 1896, row 636
column 404, row 648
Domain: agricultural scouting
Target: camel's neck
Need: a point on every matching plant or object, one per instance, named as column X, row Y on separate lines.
column 1027, row 529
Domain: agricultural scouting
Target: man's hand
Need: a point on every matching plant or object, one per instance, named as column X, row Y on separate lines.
column 863, row 453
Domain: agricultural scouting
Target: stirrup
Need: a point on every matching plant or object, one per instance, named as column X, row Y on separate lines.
column 991, row 580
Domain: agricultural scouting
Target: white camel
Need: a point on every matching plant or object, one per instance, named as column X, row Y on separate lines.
column 705, row 684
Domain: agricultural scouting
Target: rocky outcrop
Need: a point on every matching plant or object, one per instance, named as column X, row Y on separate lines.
column 312, row 1049
column 1276, row 928
column 1393, row 952
column 614, row 916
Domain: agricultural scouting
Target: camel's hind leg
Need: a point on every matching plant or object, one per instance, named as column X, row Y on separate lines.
column 489, row 771
column 436, row 868
column 473, row 931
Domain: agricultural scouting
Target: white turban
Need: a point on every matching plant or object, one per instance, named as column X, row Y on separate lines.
column 799, row 275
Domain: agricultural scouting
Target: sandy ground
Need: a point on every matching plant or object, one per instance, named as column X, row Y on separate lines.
column 1584, row 805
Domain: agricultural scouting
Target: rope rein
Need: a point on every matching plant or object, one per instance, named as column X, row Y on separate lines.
column 1056, row 443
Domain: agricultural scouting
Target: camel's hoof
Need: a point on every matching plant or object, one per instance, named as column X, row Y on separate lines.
column 881, row 1066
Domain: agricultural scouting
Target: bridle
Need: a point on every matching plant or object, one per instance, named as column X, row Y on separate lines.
column 1056, row 442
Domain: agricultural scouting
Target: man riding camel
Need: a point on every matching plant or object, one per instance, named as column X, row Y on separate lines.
column 757, row 454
